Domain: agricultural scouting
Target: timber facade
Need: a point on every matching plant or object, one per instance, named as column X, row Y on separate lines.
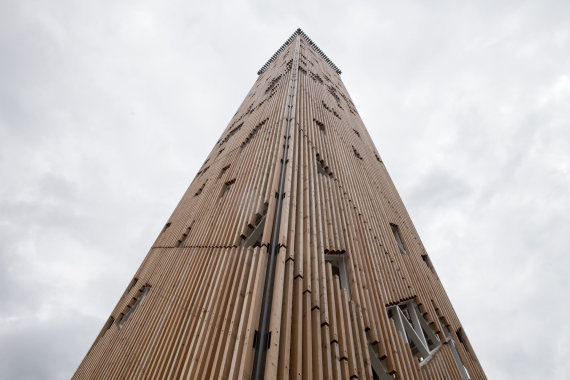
column 291, row 255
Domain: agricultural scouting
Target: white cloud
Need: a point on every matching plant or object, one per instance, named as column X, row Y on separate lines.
column 107, row 110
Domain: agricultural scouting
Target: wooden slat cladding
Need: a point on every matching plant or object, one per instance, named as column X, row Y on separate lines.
column 205, row 277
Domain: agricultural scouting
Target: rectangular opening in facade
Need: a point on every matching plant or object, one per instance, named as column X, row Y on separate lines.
column 274, row 83
column 255, row 234
column 227, row 187
column 223, row 171
column 396, row 232
column 454, row 352
column 202, row 171
column 253, row 133
column 426, row 260
column 200, row 189
column 320, row 125
column 136, row 301
column 322, row 168
column 231, row 133
column 462, row 339
column 333, row 93
column 415, row 329
column 337, row 261
column 377, row 157
column 315, row 77
column 183, row 238
column 356, row 153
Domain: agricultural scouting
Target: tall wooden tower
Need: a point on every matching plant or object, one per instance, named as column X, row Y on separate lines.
column 290, row 255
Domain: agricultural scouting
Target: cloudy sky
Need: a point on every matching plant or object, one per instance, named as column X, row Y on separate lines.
column 108, row 109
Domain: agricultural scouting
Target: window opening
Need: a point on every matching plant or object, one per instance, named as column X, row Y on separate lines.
column 227, row 187
column 355, row 131
column 231, row 133
column 166, row 226
column 253, row 238
column 182, row 240
column 222, row 172
column 332, row 91
column 415, row 329
column 202, row 171
column 454, row 352
column 356, row 153
column 320, row 125
column 377, row 157
column 250, row 109
column 131, row 308
column 426, row 260
column 462, row 339
column 338, row 265
column 200, row 189
column 253, row 133
column 275, row 80
column 315, row 77
column 396, row 231
column 322, row 168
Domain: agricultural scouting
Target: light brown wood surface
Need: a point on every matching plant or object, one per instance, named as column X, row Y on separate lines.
column 199, row 318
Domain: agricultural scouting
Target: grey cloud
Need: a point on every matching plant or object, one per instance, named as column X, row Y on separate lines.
column 437, row 188
column 33, row 337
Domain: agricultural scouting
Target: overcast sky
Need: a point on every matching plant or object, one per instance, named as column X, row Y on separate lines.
column 108, row 109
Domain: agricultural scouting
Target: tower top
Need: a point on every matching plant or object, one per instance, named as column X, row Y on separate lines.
column 299, row 32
